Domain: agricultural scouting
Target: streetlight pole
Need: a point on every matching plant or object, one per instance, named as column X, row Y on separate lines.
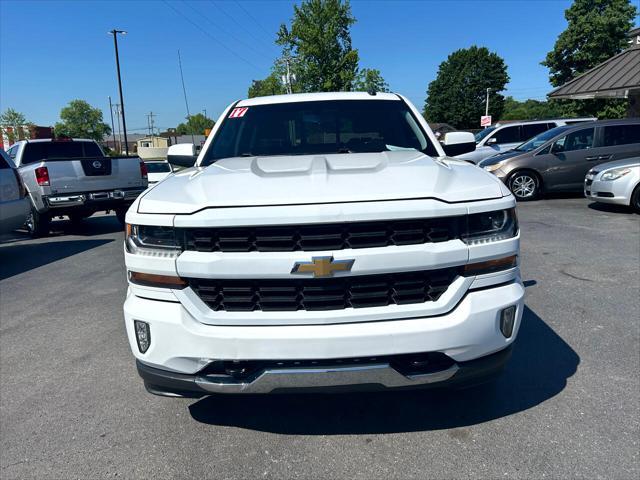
column 486, row 112
column 115, row 33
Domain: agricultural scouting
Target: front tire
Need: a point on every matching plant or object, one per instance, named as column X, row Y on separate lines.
column 635, row 199
column 524, row 185
column 38, row 224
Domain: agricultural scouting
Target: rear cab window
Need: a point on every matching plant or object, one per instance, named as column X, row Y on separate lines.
column 157, row 167
column 35, row 152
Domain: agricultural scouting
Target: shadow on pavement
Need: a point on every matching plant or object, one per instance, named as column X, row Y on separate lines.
column 92, row 226
column 538, row 370
column 17, row 258
column 608, row 208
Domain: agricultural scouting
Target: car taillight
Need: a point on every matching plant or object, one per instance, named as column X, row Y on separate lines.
column 143, row 170
column 21, row 190
column 42, row 176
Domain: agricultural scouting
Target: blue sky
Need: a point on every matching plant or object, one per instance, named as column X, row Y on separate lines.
column 54, row 51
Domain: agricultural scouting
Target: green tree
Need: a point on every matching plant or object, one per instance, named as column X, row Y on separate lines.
column 81, row 120
column 16, row 120
column 196, row 125
column 457, row 95
column 596, row 30
column 370, row 79
column 318, row 44
column 530, row 109
column 12, row 118
column 269, row 86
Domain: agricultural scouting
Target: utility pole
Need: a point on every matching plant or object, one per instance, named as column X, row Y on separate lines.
column 150, row 122
column 117, row 107
column 204, row 110
column 113, row 128
column 115, row 33
column 486, row 111
column 288, row 77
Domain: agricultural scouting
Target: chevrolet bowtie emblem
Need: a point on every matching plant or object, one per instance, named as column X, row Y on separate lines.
column 322, row 266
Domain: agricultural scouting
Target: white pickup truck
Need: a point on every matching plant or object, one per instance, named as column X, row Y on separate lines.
column 322, row 242
column 73, row 177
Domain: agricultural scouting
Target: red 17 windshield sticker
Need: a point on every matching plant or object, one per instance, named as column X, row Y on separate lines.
column 238, row 112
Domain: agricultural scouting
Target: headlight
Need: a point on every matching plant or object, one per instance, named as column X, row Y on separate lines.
column 152, row 240
column 491, row 226
column 494, row 167
column 614, row 174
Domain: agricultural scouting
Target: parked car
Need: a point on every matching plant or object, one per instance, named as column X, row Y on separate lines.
column 158, row 170
column 14, row 204
column 73, row 177
column 503, row 137
column 615, row 182
column 561, row 163
column 322, row 241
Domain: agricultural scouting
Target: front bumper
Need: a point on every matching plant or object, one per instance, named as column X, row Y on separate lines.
column 327, row 378
column 612, row 192
column 181, row 345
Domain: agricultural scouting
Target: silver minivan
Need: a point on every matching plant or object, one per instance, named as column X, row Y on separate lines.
column 559, row 159
column 504, row 136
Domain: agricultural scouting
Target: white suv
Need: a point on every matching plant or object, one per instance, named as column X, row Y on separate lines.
column 323, row 241
column 505, row 136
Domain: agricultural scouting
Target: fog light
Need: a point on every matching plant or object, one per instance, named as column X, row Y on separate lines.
column 143, row 335
column 507, row 320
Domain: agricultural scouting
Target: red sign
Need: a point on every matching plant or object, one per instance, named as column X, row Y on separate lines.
column 485, row 121
column 238, row 112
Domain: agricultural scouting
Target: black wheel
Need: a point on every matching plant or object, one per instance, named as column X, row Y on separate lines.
column 121, row 213
column 524, row 185
column 38, row 224
column 635, row 199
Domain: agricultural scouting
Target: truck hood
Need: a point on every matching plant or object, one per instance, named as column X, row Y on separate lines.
column 308, row 179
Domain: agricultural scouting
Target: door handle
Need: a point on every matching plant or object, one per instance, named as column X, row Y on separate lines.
column 590, row 159
column 604, row 157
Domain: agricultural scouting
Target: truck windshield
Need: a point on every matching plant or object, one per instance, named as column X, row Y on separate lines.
column 64, row 150
column 321, row 127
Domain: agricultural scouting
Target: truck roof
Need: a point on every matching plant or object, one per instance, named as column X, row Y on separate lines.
column 316, row 97
column 40, row 140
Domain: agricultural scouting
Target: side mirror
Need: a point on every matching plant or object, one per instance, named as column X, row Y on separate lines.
column 492, row 141
column 182, row 154
column 557, row 147
column 457, row 143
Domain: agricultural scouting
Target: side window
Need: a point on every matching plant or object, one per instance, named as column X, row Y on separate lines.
column 530, row 131
column 579, row 140
column 621, row 135
column 507, row 135
column 13, row 151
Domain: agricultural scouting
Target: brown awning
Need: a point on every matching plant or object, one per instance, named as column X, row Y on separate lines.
column 615, row 78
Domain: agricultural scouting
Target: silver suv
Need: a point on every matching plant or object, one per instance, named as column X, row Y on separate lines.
column 504, row 136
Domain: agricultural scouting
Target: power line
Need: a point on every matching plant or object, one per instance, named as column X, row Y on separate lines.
column 253, row 18
column 210, row 36
column 226, row 32
column 244, row 28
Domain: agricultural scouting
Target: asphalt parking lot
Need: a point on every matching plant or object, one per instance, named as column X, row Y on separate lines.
column 72, row 405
